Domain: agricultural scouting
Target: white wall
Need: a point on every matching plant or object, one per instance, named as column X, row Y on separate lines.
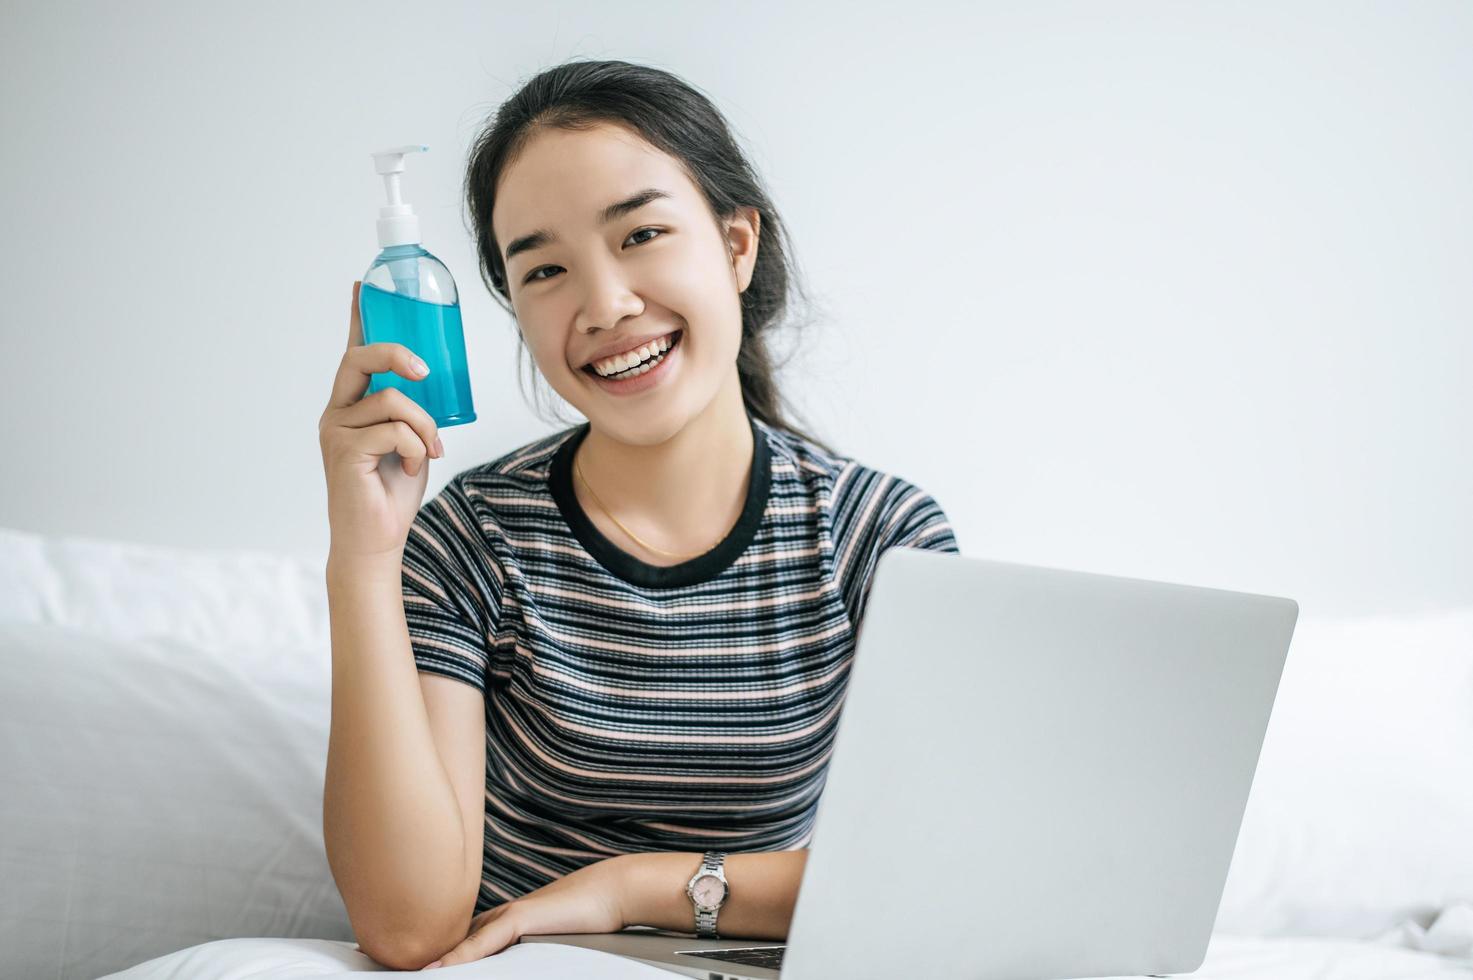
column 1178, row 291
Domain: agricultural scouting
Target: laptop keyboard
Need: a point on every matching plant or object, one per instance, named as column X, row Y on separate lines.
column 768, row 956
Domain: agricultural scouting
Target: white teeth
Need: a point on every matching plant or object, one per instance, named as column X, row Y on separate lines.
column 636, row 372
column 623, row 362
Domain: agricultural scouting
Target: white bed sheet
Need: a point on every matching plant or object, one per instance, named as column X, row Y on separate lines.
column 1228, row 958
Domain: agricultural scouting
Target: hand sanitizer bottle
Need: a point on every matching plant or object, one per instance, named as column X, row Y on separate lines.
column 407, row 297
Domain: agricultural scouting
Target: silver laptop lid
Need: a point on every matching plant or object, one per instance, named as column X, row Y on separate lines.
column 1037, row 773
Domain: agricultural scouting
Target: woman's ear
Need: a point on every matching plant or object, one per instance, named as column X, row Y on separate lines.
column 742, row 233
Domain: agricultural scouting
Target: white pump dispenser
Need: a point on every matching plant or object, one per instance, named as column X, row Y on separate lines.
column 397, row 222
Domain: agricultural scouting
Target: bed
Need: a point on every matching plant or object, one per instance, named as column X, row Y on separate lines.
column 165, row 719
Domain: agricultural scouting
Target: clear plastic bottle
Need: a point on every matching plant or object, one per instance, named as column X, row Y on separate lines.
column 408, row 297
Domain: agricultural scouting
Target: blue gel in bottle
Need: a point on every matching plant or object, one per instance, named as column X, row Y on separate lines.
column 408, row 297
column 431, row 329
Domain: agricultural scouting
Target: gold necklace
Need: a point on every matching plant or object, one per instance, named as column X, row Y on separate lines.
column 579, row 470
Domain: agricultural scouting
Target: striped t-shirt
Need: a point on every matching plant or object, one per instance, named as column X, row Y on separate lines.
column 632, row 707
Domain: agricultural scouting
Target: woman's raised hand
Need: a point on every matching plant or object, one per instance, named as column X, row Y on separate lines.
column 375, row 450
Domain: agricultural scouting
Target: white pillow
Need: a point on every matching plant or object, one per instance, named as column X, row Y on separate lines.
column 256, row 600
column 1361, row 814
column 157, row 795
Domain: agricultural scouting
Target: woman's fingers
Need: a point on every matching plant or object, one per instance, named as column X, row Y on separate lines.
column 393, row 437
column 361, row 361
column 396, row 421
column 360, row 364
column 392, row 404
column 491, row 938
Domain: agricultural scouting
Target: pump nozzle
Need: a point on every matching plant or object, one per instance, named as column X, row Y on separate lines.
column 397, row 222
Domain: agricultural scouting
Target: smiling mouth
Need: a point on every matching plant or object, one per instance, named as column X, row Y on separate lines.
column 675, row 338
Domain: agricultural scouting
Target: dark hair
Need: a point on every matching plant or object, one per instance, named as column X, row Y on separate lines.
column 676, row 118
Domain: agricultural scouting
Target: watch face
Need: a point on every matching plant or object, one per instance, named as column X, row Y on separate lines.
column 708, row 890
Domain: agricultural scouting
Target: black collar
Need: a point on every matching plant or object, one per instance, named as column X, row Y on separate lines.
column 631, row 569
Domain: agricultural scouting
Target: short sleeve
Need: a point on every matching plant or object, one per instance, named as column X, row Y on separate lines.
column 918, row 522
column 903, row 516
column 452, row 589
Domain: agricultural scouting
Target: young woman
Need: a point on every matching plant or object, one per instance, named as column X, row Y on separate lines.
column 609, row 659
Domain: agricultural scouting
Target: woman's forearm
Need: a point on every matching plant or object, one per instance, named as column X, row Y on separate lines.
column 763, row 889
column 392, row 827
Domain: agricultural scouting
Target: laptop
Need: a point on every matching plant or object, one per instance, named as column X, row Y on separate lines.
column 1036, row 774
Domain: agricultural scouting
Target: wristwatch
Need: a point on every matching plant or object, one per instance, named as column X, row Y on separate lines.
column 708, row 890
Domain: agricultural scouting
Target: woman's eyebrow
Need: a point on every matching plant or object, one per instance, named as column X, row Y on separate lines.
column 618, row 209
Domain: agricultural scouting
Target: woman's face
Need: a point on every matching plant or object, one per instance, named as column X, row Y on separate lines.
column 586, row 287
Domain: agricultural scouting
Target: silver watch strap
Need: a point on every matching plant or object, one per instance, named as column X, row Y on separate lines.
column 711, row 863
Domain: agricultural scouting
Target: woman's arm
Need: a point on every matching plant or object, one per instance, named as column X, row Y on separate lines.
column 763, row 889
column 393, row 823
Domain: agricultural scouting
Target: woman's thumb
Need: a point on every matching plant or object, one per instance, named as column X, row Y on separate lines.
column 355, row 325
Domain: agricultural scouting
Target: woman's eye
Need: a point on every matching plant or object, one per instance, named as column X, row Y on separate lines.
column 534, row 277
